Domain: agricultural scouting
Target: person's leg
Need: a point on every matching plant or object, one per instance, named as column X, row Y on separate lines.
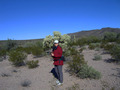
column 56, row 70
column 60, row 73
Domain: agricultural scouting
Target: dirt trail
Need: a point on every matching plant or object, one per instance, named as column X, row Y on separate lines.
column 42, row 79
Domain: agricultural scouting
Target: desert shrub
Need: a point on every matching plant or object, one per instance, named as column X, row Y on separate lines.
column 66, row 53
column 19, row 49
column 73, row 51
column 17, row 57
column 97, row 49
column 110, row 36
column 70, row 51
column 94, row 39
column 28, row 44
column 63, row 40
column 25, row 83
column 39, row 44
column 80, row 50
column 28, row 50
column 32, row 64
column 88, row 72
column 79, row 67
column 3, row 52
column 82, row 41
column 93, row 45
column 37, row 51
column 102, row 45
column 76, row 63
column 73, row 87
column 118, row 38
column 108, row 47
column 115, row 52
column 97, row 57
column 10, row 44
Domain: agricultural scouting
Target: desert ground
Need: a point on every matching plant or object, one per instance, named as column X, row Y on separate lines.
column 42, row 77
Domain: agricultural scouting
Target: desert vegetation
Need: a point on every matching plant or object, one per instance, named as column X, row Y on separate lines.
column 73, row 49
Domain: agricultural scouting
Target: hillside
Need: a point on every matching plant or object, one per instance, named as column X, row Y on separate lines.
column 96, row 32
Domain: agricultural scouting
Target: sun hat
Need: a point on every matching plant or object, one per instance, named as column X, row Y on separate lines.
column 56, row 41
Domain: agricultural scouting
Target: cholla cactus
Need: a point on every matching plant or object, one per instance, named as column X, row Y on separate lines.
column 57, row 35
column 48, row 41
column 63, row 39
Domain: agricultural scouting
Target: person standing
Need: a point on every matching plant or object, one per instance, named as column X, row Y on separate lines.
column 57, row 54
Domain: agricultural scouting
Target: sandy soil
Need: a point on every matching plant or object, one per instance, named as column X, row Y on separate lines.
column 42, row 78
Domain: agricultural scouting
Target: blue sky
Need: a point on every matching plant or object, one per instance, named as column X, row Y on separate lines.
column 34, row 19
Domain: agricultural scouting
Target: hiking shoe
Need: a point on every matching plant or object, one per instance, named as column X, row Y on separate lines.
column 57, row 81
column 59, row 84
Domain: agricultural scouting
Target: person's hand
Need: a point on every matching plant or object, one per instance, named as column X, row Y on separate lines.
column 52, row 54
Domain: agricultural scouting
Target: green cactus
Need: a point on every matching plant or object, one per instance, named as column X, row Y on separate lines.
column 63, row 40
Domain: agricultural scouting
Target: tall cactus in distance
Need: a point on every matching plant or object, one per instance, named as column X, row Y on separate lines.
column 63, row 40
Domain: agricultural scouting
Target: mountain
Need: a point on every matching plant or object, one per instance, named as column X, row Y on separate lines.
column 96, row 32
column 85, row 33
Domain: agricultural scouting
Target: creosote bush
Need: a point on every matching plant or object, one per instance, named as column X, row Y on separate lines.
column 17, row 57
column 26, row 83
column 88, row 72
column 76, row 63
column 32, row 64
column 110, row 36
column 115, row 52
column 79, row 67
column 37, row 51
column 93, row 45
column 108, row 47
column 97, row 57
column 10, row 44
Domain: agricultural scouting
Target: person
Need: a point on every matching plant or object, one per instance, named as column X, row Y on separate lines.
column 57, row 54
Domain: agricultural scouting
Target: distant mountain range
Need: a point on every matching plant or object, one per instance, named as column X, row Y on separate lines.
column 96, row 32
column 85, row 33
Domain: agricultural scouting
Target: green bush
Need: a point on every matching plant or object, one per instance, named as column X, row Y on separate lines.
column 102, row 45
column 32, row 64
column 110, row 36
column 94, row 39
column 118, row 38
column 82, row 41
column 97, row 49
column 97, row 57
column 73, row 87
column 73, row 51
column 11, row 44
column 37, row 51
column 115, row 52
column 66, row 53
column 17, row 57
column 25, row 83
column 88, row 72
column 76, row 63
column 79, row 67
column 28, row 50
column 81, row 49
column 108, row 47
column 3, row 52
column 94, row 45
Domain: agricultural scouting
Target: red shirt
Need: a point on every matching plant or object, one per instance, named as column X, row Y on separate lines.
column 57, row 55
